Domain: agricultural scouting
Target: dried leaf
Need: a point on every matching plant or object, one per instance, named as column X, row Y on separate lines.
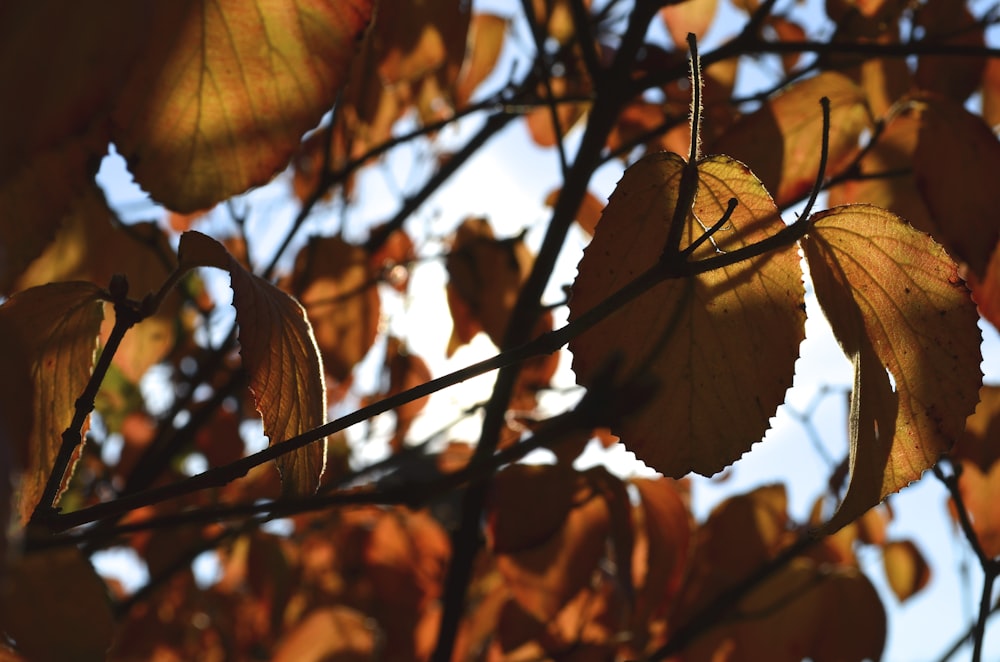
column 905, row 568
column 484, row 278
column 949, row 22
column 688, row 16
column 56, row 607
column 980, row 491
column 703, row 339
column 334, row 282
column 195, row 128
column 956, row 152
column 279, row 354
column 793, row 119
column 897, row 307
column 329, row 633
column 589, row 213
column 980, row 443
column 58, row 326
column 548, row 558
column 487, row 33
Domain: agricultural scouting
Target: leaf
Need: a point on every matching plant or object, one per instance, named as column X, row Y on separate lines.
column 92, row 245
column 279, row 354
column 56, row 607
column 897, row 307
column 546, row 559
column 793, row 119
column 980, row 491
column 704, row 339
column 336, row 285
column 404, row 371
column 487, row 33
column 663, row 542
column 688, row 16
column 980, row 443
column 484, row 277
column 329, row 633
column 802, row 611
column 221, row 93
column 905, row 568
column 589, row 213
column 949, row 22
column 952, row 175
column 57, row 325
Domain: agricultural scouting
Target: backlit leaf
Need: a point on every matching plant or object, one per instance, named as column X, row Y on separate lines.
column 781, row 140
column 980, row 491
column 980, row 443
column 688, row 16
column 952, row 172
column 704, row 339
column 329, row 633
column 223, row 91
column 897, row 307
column 56, row 607
column 487, row 33
column 905, row 568
column 58, row 326
column 950, row 22
column 279, row 354
column 336, row 285
column 803, row 611
column 484, row 277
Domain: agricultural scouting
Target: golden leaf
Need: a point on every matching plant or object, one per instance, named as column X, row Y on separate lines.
column 280, row 355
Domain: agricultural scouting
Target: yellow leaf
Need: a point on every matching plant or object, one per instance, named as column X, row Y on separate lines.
column 688, row 16
column 56, row 607
column 58, row 326
column 905, row 568
column 222, row 92
column 722, row 345
column 279, row 354
column 897, row 307
column 781, row 141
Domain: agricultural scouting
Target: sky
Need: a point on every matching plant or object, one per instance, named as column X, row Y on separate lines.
column 512, row 198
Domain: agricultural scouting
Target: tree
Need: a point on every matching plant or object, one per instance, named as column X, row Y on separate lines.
column 685, row 321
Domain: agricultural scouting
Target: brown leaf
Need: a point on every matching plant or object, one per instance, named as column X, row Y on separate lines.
column 547, row 559
column 712, row 334
column 57, row 325
column 980, row 491
column 949, row 22
column 980, row 443
column 905, row 568
column 56, row 607
column 802, row 611
column 487, row 33
column 484, row 278
column 689, row 16
column 897, row 306
column 404, row 371
column 279, row 354
column 991, row 92
column 589, row 213
column 793, row 119
column 196, row 130
column 956, row 151
column 329, row 633
column 334, row 282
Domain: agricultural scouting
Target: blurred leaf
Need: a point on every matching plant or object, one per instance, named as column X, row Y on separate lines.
column 961, row 160
column 335, row 284
column 484, row 278
column 487, row 33
column 56, row 607
column 802, row 611
column 897, row 307
column 402, row 371
column 905, row 568
column 58, row 326
column 589, row 213
column 980, row 491
column 949, row 22
column 793, row 119
column 688, row 16
column 713, row 333
column 980, row 442
column 546, row 559
column 195, row 128
column 327, row 634
column 279, row 354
